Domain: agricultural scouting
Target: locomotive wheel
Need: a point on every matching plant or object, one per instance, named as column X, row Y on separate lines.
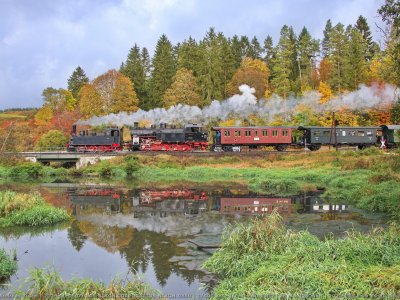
column 314, row 147
column 363, row 146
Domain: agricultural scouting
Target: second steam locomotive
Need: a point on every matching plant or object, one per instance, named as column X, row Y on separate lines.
column 193, row 137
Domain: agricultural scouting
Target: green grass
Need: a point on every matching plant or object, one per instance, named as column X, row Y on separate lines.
column 47, row 284
column 5, row 116
column 8, row 264
column 368, row 179
column 18, row 209
column 266, row 258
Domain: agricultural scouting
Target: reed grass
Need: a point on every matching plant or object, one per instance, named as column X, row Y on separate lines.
column 48, row 284
column 8, row 264
column 18, row 209
column 265, row 259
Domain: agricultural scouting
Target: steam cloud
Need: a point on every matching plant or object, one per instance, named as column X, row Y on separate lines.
column 246, row 104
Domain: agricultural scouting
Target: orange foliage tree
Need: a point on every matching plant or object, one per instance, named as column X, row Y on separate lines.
column 254, row 73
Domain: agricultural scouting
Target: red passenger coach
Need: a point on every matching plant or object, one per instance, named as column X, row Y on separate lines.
column 233, row 138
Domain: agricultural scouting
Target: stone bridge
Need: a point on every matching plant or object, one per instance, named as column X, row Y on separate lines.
column 79, row 159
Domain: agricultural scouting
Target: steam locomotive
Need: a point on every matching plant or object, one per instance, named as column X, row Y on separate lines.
column 193, row 137
column 164, row 138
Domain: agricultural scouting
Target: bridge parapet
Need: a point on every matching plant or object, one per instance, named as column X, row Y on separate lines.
column 80, row 159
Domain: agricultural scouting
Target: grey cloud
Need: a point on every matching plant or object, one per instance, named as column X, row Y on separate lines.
column 42, row 42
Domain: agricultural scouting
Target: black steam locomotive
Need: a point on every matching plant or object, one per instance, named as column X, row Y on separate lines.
column 163, row 138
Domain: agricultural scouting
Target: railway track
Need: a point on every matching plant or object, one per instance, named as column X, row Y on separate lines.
column 258, row 153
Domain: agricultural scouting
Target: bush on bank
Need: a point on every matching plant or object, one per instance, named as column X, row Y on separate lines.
column 265, row 259
column 28, row 210
column 8, row 265
column 47, row 284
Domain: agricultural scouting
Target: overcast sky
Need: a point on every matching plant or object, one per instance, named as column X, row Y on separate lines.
column 43, row 41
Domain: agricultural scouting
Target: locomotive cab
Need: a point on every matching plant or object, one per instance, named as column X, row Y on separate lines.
column 195, row 133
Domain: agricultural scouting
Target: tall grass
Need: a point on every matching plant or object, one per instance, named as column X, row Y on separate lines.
column 48, row 284
column 264, row 258
column 28, row 210
column 8, row 264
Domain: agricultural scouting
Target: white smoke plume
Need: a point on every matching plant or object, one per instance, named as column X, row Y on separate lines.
column 246, row 104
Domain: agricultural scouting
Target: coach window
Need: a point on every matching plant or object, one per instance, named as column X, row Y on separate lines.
column 227, row 133
column 256, row 133
column 352, row 133
column 326, row 133
column 369, row 133
column 247, row 133
column 317, row 133
column 265, row 133
column 343, row 133
column 285, row 133
column 361, row 133
column 274, row 132
column 237, row 132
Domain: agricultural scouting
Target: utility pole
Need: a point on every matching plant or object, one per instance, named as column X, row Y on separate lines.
column 334, row 130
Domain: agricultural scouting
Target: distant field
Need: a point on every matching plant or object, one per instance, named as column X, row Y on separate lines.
column 5, row 116
column 11, row 116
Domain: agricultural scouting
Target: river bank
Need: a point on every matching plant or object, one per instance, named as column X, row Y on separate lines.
column 368, row 179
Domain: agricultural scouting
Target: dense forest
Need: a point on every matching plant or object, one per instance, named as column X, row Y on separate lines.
column 196, row 72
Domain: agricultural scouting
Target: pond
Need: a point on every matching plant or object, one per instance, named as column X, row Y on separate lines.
column 152, row 233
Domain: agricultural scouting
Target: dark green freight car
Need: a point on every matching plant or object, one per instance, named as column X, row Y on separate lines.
column 314, row 137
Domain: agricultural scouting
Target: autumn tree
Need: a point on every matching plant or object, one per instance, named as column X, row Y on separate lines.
column 184, row 90
column 90, row 103
column 44, row 115
column 254, row 73
column 390, row 13
column 58, row 99
column 325, row 69
column 116, row 92
column 325, row 91
column 77, row 79
column 52, row 139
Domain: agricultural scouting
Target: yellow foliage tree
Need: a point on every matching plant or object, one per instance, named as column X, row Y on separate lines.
column 90, row 102
column 228, row 123
column 344, row 117
column 44, row 116
column 184, row 90
column 375, row 70
column 116, row 91
column 325, row 91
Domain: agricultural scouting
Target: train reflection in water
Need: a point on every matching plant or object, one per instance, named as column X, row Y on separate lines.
column 192, row 202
